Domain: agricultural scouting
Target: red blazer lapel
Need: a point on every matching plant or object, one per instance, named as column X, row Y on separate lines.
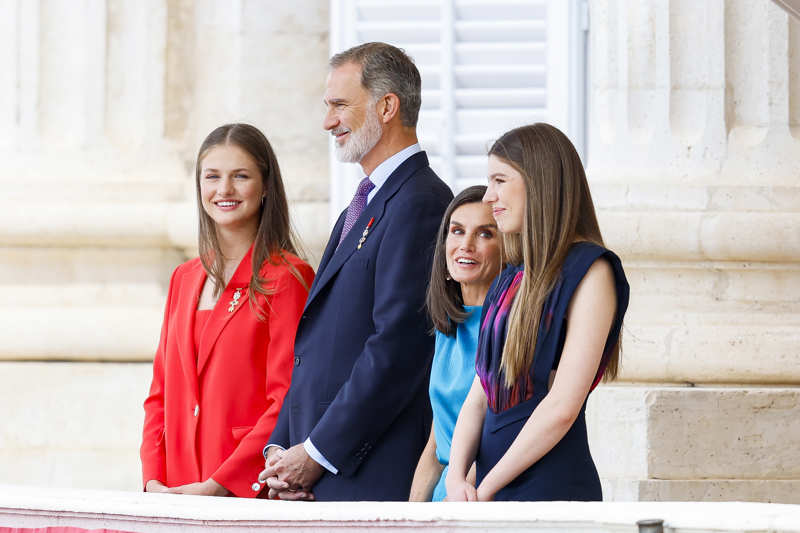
column 227, row 306
column 188, row 296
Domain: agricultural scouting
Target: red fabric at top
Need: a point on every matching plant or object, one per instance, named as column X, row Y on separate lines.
column 58, row 529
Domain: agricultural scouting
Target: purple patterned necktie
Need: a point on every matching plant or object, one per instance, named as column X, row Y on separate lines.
column 356, row 206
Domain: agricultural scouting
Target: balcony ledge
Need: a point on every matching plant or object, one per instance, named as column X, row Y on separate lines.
column 32, row 507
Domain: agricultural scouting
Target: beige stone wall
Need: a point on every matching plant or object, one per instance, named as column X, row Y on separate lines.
column 103, row 104
column 695, row 167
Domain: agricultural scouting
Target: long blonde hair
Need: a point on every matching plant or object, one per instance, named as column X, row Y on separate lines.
column 559, row 211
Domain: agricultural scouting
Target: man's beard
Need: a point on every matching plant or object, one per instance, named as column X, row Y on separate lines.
column 361, row 141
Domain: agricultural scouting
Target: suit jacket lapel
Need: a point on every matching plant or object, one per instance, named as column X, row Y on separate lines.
column 221, row 314
column 375, row 210
column 188, row 296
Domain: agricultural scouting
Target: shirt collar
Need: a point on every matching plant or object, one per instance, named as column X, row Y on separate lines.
column 388, row 166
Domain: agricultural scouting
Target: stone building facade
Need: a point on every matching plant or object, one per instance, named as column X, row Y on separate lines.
column 695, row 166
column 103, row 104
column 694, row 114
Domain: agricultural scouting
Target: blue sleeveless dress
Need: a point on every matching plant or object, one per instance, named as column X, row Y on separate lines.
column 567, row 472
column 452, row 374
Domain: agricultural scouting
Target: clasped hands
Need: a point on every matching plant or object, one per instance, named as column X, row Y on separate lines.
column 464, row 490
column 290, row 474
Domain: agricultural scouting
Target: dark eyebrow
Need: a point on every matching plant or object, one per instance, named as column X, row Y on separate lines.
column 334, row 101
column 483, row 226
column 234, row 170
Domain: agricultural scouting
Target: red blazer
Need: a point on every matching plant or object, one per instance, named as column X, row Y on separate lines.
column 211, row 417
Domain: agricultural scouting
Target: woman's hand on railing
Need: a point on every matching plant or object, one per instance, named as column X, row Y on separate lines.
column 460, row 491
column 208, row 487
column 154, row 485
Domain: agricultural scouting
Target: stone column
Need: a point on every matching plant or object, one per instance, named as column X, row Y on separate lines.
column 265, row 63
column 694, row 165
column 103, row 104
column 89, row 180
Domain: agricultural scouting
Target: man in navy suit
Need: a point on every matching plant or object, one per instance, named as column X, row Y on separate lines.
column 357, row 416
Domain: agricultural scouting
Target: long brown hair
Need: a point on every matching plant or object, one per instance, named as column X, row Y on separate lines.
column 274, row 234
column 444, row 299
column 559, row 211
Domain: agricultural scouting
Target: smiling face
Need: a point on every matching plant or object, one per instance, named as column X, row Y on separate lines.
column 231, row 188
column 472, row 250
column 506, row 195
column 351, row 117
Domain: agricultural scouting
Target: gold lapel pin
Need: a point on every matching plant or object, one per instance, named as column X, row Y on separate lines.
column 236, row 295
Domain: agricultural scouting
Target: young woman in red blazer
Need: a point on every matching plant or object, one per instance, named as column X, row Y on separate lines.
column 225, row 357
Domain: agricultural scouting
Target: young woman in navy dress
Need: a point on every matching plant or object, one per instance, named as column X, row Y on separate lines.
column 550, row 330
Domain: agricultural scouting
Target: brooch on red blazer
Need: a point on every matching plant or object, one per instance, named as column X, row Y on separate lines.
column 363, row 238
column 236, row 295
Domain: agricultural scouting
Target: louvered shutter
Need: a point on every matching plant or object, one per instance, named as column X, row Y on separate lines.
column 487, row 66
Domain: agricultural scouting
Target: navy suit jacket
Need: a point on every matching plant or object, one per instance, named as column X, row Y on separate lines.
column 363, row 347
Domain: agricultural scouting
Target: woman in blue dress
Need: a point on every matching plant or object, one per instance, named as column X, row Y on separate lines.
column 549, row 332
column 465, row 261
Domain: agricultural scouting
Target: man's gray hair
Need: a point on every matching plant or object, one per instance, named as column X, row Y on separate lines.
column 386, row 69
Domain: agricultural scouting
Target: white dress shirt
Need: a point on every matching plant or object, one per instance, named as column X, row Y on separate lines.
column 385, row 169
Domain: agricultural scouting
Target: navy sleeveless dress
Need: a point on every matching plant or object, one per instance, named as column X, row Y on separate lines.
column 567, row 471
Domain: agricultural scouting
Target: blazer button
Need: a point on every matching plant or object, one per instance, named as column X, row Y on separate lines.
column 196, row 409
column 256, row 487
column 296, row 360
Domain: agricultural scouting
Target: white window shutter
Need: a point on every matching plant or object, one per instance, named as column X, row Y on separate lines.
column 487, row 66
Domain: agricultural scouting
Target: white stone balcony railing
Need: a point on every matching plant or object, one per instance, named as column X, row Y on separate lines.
column 35, row 507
